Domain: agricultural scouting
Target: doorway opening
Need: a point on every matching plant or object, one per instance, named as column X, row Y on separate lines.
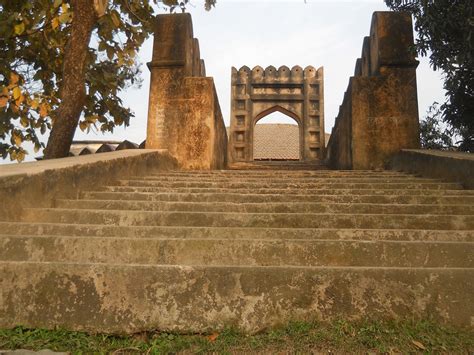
column 276, row 137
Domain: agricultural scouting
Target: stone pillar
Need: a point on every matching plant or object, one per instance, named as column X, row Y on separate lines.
column 173, row 60
column 379, row 115
column 184, row 115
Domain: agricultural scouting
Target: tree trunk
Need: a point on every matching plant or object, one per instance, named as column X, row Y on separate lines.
column 73, row 87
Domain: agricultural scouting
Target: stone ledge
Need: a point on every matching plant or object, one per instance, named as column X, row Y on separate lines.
column 40, row 183
column 449, row 166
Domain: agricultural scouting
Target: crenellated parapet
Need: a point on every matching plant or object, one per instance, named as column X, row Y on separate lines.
column 296, row 92
column 271, row 74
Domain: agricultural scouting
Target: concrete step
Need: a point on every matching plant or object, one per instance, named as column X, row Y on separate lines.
column 277, row 180
column 287, row 207
column 183, row 232
column 282, row 198
column 276, row 220
column 196, row 299
column 291, row 185
column 291, row 191
column 236, row 252
column 278, row 165
column 279, row 174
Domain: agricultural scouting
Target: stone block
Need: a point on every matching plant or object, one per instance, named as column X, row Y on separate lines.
column 391, row 41
column 198, row 138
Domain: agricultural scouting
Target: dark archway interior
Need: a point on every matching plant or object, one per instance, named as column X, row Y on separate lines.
column 276, row 137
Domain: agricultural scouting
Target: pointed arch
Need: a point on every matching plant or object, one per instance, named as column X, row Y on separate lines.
column 277, row 108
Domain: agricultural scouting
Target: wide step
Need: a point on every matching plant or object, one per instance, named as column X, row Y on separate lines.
column 248, row 252
column 133, row 298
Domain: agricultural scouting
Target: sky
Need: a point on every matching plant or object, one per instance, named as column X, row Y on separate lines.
column 272, row 32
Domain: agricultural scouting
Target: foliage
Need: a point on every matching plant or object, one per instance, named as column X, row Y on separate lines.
column 432, row 133
column 445, row 34
column 33, row 36
column 297, row 337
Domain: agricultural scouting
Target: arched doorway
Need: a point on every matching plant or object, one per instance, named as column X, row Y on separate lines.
column 296, row 92
column 277, row 137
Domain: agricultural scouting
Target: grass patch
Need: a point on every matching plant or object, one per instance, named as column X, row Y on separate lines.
column 296, row 337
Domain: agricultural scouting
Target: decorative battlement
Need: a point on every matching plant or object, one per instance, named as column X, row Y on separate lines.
column 271, row 74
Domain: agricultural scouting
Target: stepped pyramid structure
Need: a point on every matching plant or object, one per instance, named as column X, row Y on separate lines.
column 189, row 236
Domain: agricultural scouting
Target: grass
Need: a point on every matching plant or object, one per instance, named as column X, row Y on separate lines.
column 297, row 337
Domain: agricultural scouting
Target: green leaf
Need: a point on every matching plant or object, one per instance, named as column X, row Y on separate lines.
column 16, row 93
column 83, row 126
column 19, row 29
column 24, row 121
column 64, row 17
column 55, row 23
column 110, row 53
column 115, row 19
column 3, row 101
column 20, row 156
column 17, row 139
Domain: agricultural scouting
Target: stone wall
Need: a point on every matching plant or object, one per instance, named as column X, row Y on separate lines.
column 379, row 113
column 38, row 184
column 184, row 115
column 448, row 166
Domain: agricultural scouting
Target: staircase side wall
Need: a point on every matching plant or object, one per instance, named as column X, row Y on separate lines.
column 39, row 184
column 195, row 120
column 184, row 115
column 379, row 115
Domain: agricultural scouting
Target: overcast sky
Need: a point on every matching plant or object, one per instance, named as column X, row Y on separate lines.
column 272, row 32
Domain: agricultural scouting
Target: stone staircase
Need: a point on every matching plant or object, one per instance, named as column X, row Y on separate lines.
column 200, row 251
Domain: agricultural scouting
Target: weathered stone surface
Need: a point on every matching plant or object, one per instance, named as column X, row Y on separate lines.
column 298, row 93
column 183, row 232
column 379, row 114
column 116, row 298
column 38, row 183
column 184, row 115
column 230, row 252
column 198, row 251
column 196, row 124
column 449, row 166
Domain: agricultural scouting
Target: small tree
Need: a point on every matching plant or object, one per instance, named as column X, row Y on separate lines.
column 432, row 134
column 445, row 34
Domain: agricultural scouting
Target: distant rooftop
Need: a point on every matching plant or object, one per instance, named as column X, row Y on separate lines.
column 276, row 142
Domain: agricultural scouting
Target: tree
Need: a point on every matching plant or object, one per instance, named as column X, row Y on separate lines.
column 445, row 34
column 432, row 134
column 63, row 63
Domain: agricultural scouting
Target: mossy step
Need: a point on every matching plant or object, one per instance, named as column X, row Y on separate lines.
column 236, row 197
column 221, row 219
column 343, row 190
column 268, row 207
column 195, row 299
column 235, row 252
column 183, row 232
column 292, row 185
